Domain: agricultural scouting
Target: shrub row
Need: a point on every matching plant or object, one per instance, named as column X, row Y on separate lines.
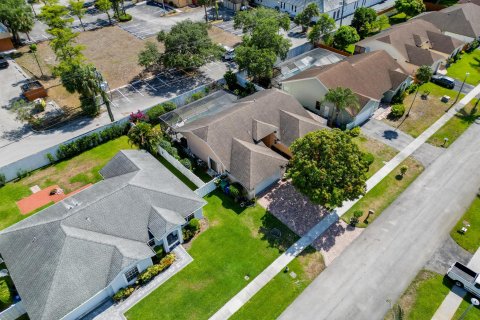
column 145, row 277
column 71, row 149
column 191, row 229
column 155, row 112
column 152, row 271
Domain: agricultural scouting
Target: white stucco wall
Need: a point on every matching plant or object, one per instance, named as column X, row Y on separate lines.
column 364, row 114
column 259, row 188
column 307, row 91
column 202, row 150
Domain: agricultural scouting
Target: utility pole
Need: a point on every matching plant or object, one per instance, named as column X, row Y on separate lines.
column 103, row 86
column 459, row 91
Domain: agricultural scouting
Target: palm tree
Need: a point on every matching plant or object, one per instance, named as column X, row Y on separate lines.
column 33, row 50
column 342, row 98
column 423, row 75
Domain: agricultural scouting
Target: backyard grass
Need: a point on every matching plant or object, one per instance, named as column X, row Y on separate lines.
column 469, row 62
column 177, row 173
column 237, row 243
column 455, row 126
column 397, row 18
column 280, row 292
column 350, row 48
column 424, row 295
column 384, row 193
column 470, row 241
column 424, row 112
column 379, row 150
column 69, row 175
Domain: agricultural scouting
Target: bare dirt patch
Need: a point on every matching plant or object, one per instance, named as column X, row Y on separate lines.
column 223, row 37
column 312, row 263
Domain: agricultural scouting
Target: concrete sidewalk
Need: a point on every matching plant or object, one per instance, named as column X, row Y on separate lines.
column 281, row 262
column 452, row 301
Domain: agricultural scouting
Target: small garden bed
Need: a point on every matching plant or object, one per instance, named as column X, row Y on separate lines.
column 145, row 277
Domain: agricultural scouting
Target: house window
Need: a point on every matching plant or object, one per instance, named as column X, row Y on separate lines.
column 317, row 105
column 131, row 274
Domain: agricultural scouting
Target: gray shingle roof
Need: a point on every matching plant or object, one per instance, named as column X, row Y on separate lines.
column 65, row 254
column 250, row 118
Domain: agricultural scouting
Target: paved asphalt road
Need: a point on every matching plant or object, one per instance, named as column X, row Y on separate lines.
column 381, row 263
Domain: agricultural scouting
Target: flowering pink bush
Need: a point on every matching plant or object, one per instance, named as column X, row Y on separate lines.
column 138, row 116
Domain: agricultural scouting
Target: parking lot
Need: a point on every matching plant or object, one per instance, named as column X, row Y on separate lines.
column 167, row 84
column 228, row 26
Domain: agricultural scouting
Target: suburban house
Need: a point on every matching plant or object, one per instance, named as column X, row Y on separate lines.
column 6, row 43
column 331, row 7
column 373, row 77
column 235, row 5
column 412, row 44
column 249, row 140
column 461, row 21
column 72, row 256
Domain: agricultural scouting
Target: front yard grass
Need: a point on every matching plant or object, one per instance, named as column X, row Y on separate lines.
column 282, row 290
column 473, row 314
column 424, row 295
column 379, row 150
column 469, row 62
column 424, row 112
column 237, row 243
column 455, row 126
column 384, row 193
column 469, row 241
column 69, row 175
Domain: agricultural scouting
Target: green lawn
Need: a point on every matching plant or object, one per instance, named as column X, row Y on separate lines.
column 350, row 48
column 455, row 126
column 380, row 151
column 469, row 62
column 424, row 295
column 238, row 242
column 424, row 112
column 397, row 18
column 472, row 314
column 384, row 193
column 177, row 173
column 470, row 241
column 279, row 293
column 69, row 175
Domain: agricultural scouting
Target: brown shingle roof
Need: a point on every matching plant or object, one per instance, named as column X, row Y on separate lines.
column 417, row 33
column 368, row 74
column 261, row 112
column 462, row 19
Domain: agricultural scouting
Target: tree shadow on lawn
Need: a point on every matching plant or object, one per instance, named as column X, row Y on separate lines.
column 468, row 117
column 475, row 64
column 277, row 234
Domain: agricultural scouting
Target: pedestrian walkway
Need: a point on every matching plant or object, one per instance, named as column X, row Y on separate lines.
column 281, row 262
column 452, row 301
column 399, row 140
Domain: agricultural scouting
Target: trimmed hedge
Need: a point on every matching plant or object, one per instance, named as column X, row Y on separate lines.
column 152, row 271
column 397, row 111
column 71, row 149
column 155, row 112
column 191, row 229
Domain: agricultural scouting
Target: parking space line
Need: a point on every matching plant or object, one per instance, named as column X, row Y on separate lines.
column 164, row 83
column 124, row 95
column 137, row 90
column 151, row 87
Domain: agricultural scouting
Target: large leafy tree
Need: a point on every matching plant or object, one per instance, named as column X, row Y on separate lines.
column 345, row 36
column 305, row 17
column 249, row 20
column 322, row 29
column 188, row 45
column 363, row 20
column 342, row 99
column 262, row 44
column 17, row 16
column 55, row 15
column 328, row 168
column 410, row 7
column 150, row 56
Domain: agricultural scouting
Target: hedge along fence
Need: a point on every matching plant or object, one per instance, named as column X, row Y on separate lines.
column 180, row 167
column 42, row 158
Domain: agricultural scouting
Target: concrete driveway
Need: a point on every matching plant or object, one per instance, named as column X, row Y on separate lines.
column 10, row 89
column 382, row 262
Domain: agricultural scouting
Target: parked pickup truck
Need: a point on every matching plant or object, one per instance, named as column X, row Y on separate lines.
column 465, row 277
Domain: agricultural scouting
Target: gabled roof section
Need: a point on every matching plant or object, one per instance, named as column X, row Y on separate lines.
column 252, row 163
column 462, row 19
column 68, row 252
column 261, row 129
column 355, row 72
column 299, row 126
column 161, row 221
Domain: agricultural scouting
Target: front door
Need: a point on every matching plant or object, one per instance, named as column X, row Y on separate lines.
column 172, row 238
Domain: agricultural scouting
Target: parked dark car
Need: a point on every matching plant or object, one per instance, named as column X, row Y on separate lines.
column 444, row 81
column 3, row 63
